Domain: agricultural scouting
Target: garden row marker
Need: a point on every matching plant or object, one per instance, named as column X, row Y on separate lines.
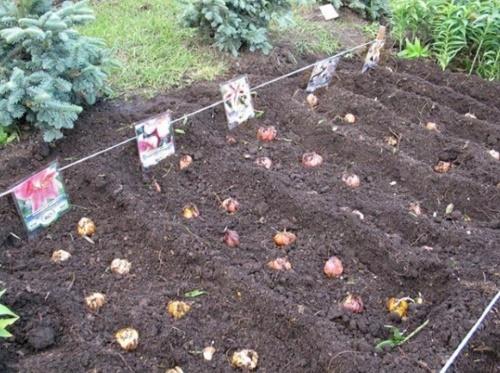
column 186, row 116
column 470, row 334
column 322, row 74
column 41, row 198
column 237, row 101
column 373, row 56
column 211, row 106
column 155, row 141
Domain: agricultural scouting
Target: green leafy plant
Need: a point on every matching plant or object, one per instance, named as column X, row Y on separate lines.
column 411, row 19
column 414, row 50
column 6, row 137
column 234, row 24
column 483, row 30
column 7, row 317
column 449, row 32
column 459, row 32
column 397, row 337
column 48, row 71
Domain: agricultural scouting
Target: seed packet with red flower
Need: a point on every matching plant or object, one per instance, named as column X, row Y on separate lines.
column 41, row 199
column 155, row 139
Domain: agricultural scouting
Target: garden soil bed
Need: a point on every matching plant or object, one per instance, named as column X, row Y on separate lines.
column 291, row 319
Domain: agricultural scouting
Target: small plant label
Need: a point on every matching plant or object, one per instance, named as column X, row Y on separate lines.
column 237, row 101
column 322, row 74
column 41, row 199
column 155, row 139
column 328, row 12
column 373, row 56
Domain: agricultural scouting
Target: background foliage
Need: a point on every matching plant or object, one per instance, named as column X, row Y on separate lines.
column 370, row 9
column 48, row 71
column 234, row 24
column 459, row 32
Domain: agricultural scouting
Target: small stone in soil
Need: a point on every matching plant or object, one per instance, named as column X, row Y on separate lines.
column 394, row 317
column 41, row 337
column 352, row 324
column 491, row 140
column 449, row 155
column 334, row 313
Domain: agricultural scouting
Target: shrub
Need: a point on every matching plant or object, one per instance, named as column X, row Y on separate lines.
column 7, row 317
column 371, row 9
column 48, row 71
column 234, row 24
column 461, row 32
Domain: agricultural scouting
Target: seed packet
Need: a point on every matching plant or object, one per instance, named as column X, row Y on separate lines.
column 155, row 139
column 322, row 74
column 373, row 56
column 237, row 101
column 41, row 199
column 328, row 12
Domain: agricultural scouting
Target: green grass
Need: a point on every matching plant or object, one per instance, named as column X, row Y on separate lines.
column 307, row 35
column 371, row 29
column 156, row 53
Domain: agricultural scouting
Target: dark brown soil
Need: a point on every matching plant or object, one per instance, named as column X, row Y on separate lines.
column 291, row 319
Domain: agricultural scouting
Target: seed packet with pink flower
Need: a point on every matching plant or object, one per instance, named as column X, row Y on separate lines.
column 155, row 139
column 237, row 101
column 41, row 199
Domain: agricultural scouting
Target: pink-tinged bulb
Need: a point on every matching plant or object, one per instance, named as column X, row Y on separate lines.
column 231, row 238
column 267, row 134
column 333, row 267
column 353, row 303
column 312, row 159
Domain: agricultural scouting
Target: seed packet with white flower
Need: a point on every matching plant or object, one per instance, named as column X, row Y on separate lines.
column 322, row 74
column 237, row 101
column 41, row 199
column 155, row 139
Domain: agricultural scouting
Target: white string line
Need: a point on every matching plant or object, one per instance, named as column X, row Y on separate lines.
column 469, row 335
column 184, row 117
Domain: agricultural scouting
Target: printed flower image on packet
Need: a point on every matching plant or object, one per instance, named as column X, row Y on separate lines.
column 322, row 74
column 373, row 56
column 237, row 101
column 155, row 139
column 41, row 199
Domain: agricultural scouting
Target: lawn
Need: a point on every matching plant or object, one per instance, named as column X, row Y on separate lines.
column 156, row 53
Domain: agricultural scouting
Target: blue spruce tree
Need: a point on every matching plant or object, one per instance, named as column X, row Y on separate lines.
column 234, row 24
column 48, row 71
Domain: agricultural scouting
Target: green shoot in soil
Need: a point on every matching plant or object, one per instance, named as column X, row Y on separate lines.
column 7, row 317
column 398, row 338
column 195, row 293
